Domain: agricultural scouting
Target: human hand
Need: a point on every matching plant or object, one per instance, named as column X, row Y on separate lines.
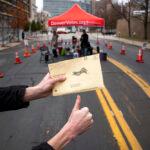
column 43, row 89
column 80, row 120
column 47, row 83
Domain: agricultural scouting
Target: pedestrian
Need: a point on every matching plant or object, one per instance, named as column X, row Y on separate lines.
column 74, row 42
column 9, row 37
column 55, row 39
column 84, row 43
column 26, row 42
column 54, row 43
column 16, row 97
column 23, row 35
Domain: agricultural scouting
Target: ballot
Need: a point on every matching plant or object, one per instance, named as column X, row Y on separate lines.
column 82, row 74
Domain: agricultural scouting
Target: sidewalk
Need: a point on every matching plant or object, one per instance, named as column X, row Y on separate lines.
column 114, row 38
column 9, row 45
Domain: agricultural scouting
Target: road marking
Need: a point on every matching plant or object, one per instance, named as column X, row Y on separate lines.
column 142, row 83
column 122, row 122
column 113, row 124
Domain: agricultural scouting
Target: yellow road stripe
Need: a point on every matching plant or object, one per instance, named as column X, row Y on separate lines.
column 143, row 84
column 122, row 122
column 114, row 127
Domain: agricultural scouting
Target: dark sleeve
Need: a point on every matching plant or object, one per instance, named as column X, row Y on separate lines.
column 43, row 146
column 11, row 98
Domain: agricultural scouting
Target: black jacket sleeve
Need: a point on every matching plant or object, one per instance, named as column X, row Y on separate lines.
column 11, row 98
column 43, row 146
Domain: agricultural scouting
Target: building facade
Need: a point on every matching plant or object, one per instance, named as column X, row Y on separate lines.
column 56, row 7
column 14, row 14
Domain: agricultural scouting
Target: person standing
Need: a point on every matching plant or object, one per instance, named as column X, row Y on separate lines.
column 23, row 35
column 55, row 39
column 84, row 43
column 54, row 43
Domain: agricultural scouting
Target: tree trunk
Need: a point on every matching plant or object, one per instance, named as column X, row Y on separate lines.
column 129, row 28
column 146, row 20
column 129, row 20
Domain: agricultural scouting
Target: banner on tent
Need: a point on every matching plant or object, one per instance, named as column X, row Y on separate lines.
column 72, row 23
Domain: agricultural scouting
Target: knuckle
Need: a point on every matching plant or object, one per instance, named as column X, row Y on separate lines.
column 92, row 121
column 86, row 109
column 90, row 116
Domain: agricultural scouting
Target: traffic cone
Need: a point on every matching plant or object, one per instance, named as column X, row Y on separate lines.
column 38, row 45
column 44, row 44
column 26, row 53
column 110, row 46
column 123, row 50
column 33, row 49
column 140, row 56
column 1, row 74
column 17, row 59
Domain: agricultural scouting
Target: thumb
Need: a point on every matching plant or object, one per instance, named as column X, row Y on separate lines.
column 77, row 103
column 58, row 79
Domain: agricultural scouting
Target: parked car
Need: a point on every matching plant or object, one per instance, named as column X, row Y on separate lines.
column 63, row 31
column 109, row 32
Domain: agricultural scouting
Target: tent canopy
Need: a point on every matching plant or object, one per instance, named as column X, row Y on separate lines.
column 76, row 16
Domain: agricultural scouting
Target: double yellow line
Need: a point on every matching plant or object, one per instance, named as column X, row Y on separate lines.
column 118, row 124
column 142, row 84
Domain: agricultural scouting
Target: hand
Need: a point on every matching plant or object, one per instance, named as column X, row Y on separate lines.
column 43, row 89
column 46, row 85
column 79, row 121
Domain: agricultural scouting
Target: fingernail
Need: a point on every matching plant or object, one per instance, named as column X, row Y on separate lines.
column 78, row 96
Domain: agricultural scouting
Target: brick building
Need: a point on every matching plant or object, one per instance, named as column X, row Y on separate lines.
column 14, row 14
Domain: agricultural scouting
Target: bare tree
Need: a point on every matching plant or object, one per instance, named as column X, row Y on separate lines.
column 144, row 17
column 105, row 10
column 124, row 12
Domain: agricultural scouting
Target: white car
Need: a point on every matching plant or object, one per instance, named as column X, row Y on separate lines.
column 62, row 30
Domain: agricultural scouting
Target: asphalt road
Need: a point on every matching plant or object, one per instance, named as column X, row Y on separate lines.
column 25, row 128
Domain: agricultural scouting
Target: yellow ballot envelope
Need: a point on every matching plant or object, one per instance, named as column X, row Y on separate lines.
column 82, row 74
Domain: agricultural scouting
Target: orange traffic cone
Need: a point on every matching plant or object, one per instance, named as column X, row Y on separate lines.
column 33, row 49
column 109, row 46
column 140, row 56
column 17, row 59
column 38, row 45
column 26, row 52
column 1, row 74
column 123, row 50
